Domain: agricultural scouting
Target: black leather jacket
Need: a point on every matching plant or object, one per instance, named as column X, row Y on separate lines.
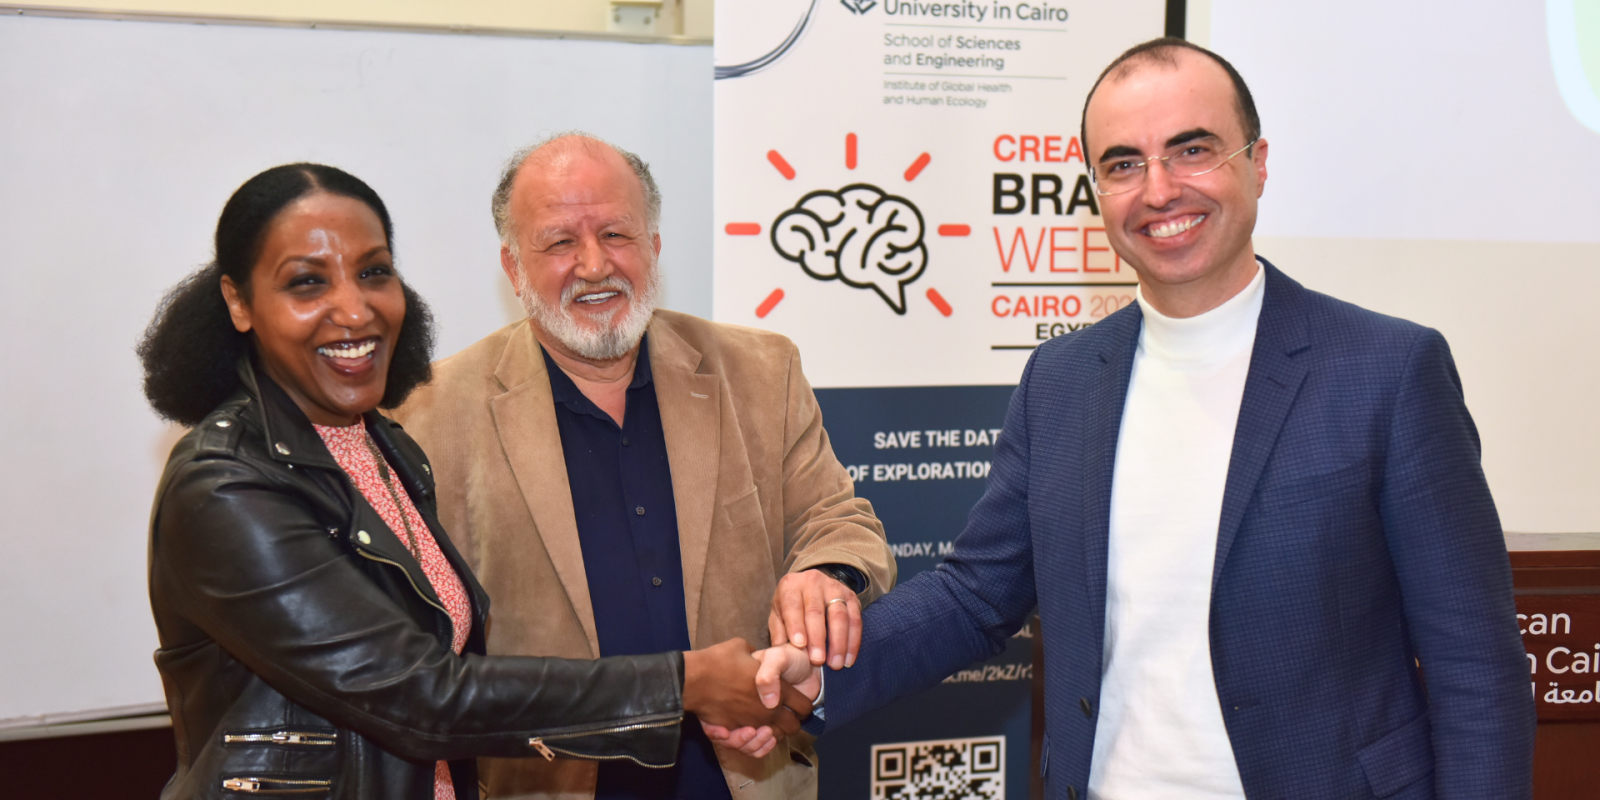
column 303, row 651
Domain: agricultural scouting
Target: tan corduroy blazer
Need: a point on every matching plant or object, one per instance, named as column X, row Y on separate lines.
column 759, row 494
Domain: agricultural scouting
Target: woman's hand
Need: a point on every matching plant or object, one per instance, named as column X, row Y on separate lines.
column 784, row 667
column 719, row 687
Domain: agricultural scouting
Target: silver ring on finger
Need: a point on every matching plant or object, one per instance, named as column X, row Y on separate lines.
column 836, row 600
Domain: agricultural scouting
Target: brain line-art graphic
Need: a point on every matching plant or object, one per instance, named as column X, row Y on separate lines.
column 860, row 235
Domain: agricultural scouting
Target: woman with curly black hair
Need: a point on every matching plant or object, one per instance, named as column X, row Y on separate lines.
column 319, row 634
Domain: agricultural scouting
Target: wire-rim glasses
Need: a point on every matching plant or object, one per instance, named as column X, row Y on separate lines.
column 1187, row 160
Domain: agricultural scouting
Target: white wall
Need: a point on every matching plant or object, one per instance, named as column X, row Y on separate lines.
column 688, row 18
column 119, row 143
column 1423, row 164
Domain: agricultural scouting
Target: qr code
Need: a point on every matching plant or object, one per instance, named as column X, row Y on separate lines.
column 944, row 769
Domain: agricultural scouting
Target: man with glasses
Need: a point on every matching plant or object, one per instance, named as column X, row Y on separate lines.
column 1252, row 516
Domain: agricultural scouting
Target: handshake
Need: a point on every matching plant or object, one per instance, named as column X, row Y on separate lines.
column 748, row 699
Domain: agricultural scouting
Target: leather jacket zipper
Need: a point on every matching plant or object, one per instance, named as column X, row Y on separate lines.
column 407, row 573
column 283, row 737
column 541, row 743
column 276, row 785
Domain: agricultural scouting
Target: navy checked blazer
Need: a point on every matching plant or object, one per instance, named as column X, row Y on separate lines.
column 1357, row 539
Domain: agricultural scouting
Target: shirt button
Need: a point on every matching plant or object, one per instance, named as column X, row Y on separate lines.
column 655, row 581
column 624, row 441
column 639, row 510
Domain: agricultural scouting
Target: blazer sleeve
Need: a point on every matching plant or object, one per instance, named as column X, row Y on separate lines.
column 824, row 522
column 964, row 609
column 1449, row 553
column 246, row 562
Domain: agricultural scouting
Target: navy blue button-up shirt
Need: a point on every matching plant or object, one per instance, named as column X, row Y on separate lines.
column 628, row 529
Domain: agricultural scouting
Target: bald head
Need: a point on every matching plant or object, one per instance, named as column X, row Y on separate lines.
column 562, row 152
column 1165, row 53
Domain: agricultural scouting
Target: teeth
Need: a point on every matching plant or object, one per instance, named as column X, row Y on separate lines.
column 349, row 352
column 598, row 297
column 1167, row 229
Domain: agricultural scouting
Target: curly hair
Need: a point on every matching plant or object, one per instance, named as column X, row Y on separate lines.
column 190, row 348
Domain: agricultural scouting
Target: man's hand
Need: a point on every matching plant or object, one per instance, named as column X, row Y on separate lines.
column 719, row 688
column 781, row 667
column 812, row 610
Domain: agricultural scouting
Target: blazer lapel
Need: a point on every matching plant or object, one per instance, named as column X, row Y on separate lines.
column 525, row 422
column 1269, row 391
column 1105, row 395
column 691, row 418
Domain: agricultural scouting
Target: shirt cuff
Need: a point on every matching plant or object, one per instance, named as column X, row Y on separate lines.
column 845, row 574
column 817, row 709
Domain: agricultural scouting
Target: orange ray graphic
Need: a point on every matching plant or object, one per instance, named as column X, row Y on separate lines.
column 916, row 166
column 768, row 304
column 783, row 166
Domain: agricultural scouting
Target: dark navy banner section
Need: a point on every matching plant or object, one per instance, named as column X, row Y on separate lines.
column 922, row 456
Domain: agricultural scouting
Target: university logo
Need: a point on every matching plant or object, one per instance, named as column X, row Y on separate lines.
column 859, row 6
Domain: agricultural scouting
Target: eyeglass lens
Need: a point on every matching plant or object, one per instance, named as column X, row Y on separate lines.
column 1187, row 160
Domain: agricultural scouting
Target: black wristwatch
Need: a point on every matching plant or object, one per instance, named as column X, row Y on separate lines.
column 845, row 574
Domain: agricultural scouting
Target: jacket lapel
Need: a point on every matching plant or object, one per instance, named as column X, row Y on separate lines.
column 1105, row 395
column 410, row 467
column 290, row 439
column 691, row 418
column 293, row 441
column 1269, row 391
column 525, row 422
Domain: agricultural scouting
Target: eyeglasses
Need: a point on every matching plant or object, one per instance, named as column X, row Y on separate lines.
column 1187, row 160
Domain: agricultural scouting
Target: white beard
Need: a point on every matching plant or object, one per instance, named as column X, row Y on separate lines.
column 609, row 336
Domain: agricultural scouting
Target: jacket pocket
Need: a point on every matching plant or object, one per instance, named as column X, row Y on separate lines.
column 1324, row 485
column 277, row 785
column 309, row 738
column 743, row 512
column 600, row 744
column 1399, row 759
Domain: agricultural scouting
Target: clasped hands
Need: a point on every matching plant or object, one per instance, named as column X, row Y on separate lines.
column 749, row 699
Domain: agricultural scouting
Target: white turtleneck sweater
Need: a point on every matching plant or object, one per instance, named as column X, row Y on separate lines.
column 1160, row 732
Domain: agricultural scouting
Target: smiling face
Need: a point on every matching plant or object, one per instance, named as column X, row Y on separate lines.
column 582, row 256
column 325, row 306
column 1188, row 238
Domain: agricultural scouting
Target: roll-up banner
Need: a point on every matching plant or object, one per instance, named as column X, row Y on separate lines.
column 901, row 190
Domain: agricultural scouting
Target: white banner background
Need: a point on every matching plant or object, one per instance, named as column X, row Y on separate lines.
column 926, row 102
column 859, row 146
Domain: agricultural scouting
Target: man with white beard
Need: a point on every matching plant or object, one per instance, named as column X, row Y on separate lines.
column 626, row 479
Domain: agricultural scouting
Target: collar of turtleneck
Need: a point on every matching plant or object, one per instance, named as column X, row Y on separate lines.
column 1211, row 337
